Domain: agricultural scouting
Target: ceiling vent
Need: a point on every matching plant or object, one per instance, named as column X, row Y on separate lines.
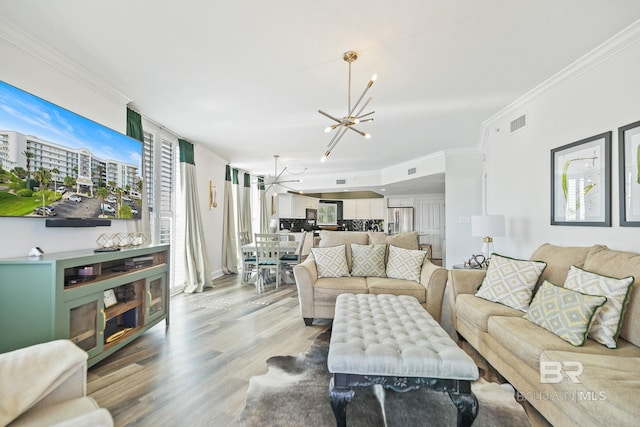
column 411, row 171
column 518, row 123
column 341, row 181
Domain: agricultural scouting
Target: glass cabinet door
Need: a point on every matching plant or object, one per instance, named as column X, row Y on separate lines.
column 156, row 297
column 86, row 318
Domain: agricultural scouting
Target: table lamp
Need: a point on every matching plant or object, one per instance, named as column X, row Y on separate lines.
column 487, row 227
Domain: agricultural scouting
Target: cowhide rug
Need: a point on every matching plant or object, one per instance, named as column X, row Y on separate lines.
column 295, row 392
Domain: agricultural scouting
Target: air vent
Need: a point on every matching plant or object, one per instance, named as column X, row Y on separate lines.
column 411, row 171
column 518, row 123
column 341, row 181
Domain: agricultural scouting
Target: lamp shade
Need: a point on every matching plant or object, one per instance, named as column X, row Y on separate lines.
column 487, row 225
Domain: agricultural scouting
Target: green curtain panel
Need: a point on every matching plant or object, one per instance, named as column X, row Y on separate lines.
column 197, row 272
column 134, row 125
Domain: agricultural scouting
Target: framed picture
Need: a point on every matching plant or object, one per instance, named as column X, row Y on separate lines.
column 581, row 182
column 110, row 298
column 629, row 170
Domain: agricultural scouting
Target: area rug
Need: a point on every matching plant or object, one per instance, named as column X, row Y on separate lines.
column 295, row 392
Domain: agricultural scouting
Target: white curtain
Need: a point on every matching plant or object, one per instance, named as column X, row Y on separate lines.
column 245, row 206
column 264, row 214
column 197, row 273
column 229, row 247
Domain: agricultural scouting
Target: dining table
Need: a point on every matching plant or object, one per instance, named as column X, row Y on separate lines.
column 286, row 247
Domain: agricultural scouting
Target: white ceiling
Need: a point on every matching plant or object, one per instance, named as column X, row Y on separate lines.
column 246, row 77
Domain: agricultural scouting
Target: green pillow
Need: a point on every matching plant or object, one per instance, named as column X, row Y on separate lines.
column 368, row 260
column 608, row 320
column 510, row 281
column 566, row 313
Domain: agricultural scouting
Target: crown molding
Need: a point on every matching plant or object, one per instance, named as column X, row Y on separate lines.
column 602, row 52
column 45, row 53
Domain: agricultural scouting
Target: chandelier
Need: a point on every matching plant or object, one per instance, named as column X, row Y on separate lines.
column 353, row 117
column 277, row 179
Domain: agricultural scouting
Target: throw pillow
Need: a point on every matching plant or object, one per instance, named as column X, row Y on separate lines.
column 368, row 260
column 405, row 263
column 608, row 320
column 407, row 240
column 510, row 281
column 331, row 261
column 565, row 312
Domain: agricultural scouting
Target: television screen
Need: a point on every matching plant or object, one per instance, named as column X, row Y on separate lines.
column 58, row 164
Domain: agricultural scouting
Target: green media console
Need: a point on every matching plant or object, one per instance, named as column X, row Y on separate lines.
column 100, row 301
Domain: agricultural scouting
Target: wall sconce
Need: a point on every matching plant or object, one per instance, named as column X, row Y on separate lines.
column 213, row 194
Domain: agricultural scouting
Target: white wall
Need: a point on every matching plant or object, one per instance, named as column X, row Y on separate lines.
column 34, row 75
column 463, row 198
column 599, row 99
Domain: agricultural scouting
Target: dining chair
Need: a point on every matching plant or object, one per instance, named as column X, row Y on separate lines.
column 267, row 258
column 289, row 260
column 249, row 264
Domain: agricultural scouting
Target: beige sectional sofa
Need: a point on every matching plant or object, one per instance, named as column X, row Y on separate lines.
column 609, row 384
column 318, row 295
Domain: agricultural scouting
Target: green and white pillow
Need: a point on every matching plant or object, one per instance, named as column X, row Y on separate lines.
column 331, row 261
column 510, row 281
column 405, row 264
column 608, row 321
column 368, row 260
column 565, row 312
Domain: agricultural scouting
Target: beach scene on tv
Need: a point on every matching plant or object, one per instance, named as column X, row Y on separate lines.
column 57, row 164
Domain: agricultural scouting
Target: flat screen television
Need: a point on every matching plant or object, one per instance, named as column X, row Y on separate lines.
column 57, row 164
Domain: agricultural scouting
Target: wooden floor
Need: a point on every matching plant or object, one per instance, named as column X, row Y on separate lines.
column 196, row 371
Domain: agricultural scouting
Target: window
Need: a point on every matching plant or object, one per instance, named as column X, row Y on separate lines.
column 160, row 168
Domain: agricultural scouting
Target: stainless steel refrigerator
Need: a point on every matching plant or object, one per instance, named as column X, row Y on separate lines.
column 399, row 220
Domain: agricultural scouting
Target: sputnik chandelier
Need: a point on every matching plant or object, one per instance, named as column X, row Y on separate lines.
column 352, row 118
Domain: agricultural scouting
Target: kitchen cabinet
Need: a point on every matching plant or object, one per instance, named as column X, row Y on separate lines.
column 350, row 209
column 294, row 206
column 363, row 209
column 377, row 209
column 400, row 202
column 100, row 301
column 285, row 205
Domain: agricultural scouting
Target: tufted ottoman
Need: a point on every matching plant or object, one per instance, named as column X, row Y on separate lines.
column 393, row 341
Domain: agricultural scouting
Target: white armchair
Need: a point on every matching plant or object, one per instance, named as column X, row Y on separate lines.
column 46, row 385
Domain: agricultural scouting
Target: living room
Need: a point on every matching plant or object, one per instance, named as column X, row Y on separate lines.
column 499, row 171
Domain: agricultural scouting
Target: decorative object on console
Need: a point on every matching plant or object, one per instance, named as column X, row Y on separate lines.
column 581, row 182
column 629, row 170
column 487, row 227
column 352, row 118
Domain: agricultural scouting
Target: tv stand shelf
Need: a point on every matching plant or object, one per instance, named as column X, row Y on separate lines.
column 100, row 301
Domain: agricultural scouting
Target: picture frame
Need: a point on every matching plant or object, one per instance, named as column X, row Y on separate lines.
column 629, row 174
column 110, row 298
column 581, row 182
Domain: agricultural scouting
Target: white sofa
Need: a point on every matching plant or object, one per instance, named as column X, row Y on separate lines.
column 46, row 385
column 318, row 295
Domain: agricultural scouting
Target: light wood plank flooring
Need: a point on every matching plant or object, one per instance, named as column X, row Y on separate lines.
column 196, row 371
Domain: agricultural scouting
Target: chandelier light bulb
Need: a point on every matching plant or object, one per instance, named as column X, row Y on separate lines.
column 324, row 157
column 356, row 121
column 367, row 136
column 374, row 77
column 328, row 129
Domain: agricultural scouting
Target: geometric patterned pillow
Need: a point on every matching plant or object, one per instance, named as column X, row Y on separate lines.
column 405, row 264
column 331, row 261
column 368, row 260
column 606, row 325
column 565, row 312
column 510, row 281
